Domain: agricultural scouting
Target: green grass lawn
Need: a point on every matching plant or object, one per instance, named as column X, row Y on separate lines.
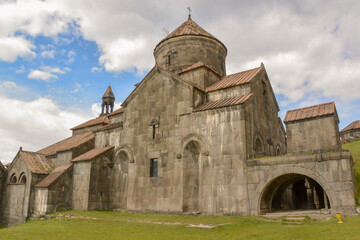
column 354, row 148
column 111, row 225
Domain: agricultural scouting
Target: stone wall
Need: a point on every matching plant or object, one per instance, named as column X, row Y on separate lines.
column 62, row 158
column 187, row 50
column 351, row 135
column 241, row 90
column 81, row 185
column 201, row 77
column 332, row 171
column 3, row 175
column 313, row 135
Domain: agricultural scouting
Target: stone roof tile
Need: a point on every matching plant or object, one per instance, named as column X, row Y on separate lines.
column 198, row 65
column 223, row 103
column 93, row 122
column 53, row 176
column 116, row 112
column 37, row 162
column 111, row 126
column 108, row 93
column 67, row 144
column 90, row 155
column 2, row 167
column 311, row 112
column 352, row 126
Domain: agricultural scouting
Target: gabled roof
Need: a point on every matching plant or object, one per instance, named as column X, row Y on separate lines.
column 36, row 162
column 93, row 122
column 90, row 155
column 111, row 126
column 223, row 103
column 352, row 126
column 157, row 67
column 108, row 93
column 53, row 176
column 67, row 144
column 116, row 112
column 235, row 79
column 311, row 112
column 198, row 65
column 189, row 27
column 2, row 167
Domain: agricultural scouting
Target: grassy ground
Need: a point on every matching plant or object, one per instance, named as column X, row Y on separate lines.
column 354, row 148
column 109, row 225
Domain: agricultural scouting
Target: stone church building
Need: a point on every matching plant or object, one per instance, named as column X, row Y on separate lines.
column 188, row 139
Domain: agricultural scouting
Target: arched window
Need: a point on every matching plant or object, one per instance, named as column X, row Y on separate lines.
column 13, row 179
column 22, row 178
column 278, row 150
column 259, row 147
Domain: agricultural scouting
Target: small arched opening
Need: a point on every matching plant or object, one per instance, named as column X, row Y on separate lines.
column 13, row 179
column 191, row 181
column 258, row 146
column 291, row 192
column 278, row 150
column 22, row 178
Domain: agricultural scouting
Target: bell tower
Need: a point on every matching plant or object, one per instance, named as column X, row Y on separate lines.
column 108, row 100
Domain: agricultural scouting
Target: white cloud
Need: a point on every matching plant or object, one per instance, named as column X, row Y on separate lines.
column 49, row 124
column 8, row 84
column 47, row 73
column 21, row 69
column 48, row 54
column 95, row 69
column 71, row 57
column 78, row 88
column 13, row 47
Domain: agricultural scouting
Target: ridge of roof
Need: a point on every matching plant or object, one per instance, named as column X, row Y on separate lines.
column 235, row 79
column 92, row 122
column 352, row 126
column 198, row 65
column 318, row 110
column 90, row 155
column 116, row 112
column 53, row 176
column 67, row 144
column 226, row 102
column 111, row 126
column 36, row 162
column 189, row 27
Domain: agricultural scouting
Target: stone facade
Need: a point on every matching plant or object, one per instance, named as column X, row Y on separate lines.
column 190, row 138
column 351, row 132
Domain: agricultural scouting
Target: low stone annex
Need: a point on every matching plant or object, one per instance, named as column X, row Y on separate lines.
column 351, row 132
column 189, row 138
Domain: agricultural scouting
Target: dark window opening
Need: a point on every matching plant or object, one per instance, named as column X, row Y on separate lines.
column 23, row 180
column 258, row 146
column 169, row 59
column 13, row 179
column 153, row 131
column 153, row 167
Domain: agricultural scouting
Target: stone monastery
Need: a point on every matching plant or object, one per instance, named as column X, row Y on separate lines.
column 189, row 139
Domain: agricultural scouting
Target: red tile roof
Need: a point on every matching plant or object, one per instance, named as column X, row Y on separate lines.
column 67, row 144
column 198, row 65
column 90, row 155
column 111, row 126
column 108, row 93
column 235, row 79
column 103, row 120
column 2, row 167
column 53, row 176
column 116, row 112
column 311, row 112
column 189, row 28
column 36, row 162
column 352, row 126
column 223, row 103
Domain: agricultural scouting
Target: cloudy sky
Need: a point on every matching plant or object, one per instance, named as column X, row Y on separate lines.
column 57, row 57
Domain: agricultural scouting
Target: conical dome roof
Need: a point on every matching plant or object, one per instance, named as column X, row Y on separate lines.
column 108, row 93
column 189, row 28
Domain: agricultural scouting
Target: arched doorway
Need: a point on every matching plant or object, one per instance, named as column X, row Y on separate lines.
column 293, row 192
column 191, row 186
column 120, row 180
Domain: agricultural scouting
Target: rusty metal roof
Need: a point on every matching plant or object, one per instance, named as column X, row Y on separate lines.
column 352, row 126
column 53, row 176
column 90, row 155
column 96, row 121
column 198, row 65
column 235, row 79
column 36, row 162
column 311, row 112
column 223, row 103
column 67, row 144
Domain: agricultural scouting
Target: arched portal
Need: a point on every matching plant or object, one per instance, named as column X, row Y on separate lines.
column 120, row 180
column 191, row 188
column 293, row 192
